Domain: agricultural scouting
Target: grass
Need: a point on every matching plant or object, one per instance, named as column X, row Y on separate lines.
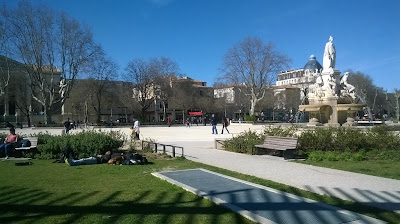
column 56, row 193
column 380, row 168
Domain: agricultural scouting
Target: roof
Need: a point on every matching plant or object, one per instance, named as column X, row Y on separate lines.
column 312, row 64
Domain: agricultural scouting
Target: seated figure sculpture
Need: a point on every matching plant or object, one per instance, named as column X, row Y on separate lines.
column 347, row 87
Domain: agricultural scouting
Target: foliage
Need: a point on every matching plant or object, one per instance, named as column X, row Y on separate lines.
column 339, row 139
column 148, row 145
column 244, row 142
column 84, row 144
column 250, row 118
column 346, row 155
column 289, row 131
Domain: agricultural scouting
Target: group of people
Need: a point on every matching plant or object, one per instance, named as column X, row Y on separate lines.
column 9, row 143
column 115, row 158
column 225, row 124
column 68, row 125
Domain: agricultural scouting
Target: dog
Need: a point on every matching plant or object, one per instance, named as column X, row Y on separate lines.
column 116, row 160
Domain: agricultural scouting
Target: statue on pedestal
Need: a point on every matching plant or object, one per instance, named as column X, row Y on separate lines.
column 329, row 59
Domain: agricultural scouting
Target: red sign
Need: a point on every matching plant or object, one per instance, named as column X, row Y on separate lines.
column 196, row 113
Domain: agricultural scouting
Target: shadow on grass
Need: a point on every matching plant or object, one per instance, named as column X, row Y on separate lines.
column 34, row 205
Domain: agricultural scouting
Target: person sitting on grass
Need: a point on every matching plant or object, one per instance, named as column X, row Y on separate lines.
column 10, row 142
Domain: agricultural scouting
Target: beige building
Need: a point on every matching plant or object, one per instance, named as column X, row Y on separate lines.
column 17, row 104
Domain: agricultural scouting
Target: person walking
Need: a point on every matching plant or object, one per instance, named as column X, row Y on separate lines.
column 67, row 126
column 187, row 122
column 214, row 124
column 169, row 122
column 225, row 124
column 136, row 127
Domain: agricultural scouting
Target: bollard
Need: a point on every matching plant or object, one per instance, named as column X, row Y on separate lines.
column 164, row 151
column 173, row 151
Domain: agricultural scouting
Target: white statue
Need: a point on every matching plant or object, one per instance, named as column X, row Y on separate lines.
column 318, row 88
column 62, row 85
column 331, row 85
column 329, row 55
column 349, row 89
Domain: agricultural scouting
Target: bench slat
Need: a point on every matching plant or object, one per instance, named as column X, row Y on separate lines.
column 285, row 144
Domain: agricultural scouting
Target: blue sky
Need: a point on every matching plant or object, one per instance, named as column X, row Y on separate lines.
column 197, row 34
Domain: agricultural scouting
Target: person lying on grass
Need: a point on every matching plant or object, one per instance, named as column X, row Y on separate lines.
column 110, row 158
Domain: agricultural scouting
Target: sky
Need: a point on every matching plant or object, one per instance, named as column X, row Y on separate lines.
column 197, row 34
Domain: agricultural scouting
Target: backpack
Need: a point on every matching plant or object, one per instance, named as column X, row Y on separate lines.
column 25, row 142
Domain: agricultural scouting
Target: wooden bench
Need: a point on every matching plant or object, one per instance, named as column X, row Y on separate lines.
column 219, row 143
column 33, row 141
column 286, row 145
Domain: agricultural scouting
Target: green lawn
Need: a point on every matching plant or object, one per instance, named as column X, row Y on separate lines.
column 380, row 168
column 47, row 192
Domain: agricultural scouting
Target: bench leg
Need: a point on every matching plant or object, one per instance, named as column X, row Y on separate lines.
column 288, row 154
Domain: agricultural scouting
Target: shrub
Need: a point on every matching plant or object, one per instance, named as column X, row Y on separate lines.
column 244, row 142
column 318, row 139
column 84, row 144
column 340, row 139
column 148, row 146
column 281, row 131
column 250, row 118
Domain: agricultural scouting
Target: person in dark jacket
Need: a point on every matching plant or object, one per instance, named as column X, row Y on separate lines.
column 214, row 124
column 225, row 124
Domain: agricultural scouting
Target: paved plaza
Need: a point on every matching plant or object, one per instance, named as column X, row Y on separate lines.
column 198, row 143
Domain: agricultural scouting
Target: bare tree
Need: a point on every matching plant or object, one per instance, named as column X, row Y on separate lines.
column 5, row 63
column 151, row 80
column 183, row 95
column 167, row 70
column 21, row 95
column 54, row 49
column 140, row 74
column 254, row 65
column 370, row 94
column 103, row 71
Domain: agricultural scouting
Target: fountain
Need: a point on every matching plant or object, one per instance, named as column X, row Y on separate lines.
column 331, row 100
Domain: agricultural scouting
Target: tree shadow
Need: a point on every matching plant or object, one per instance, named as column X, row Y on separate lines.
column 35, row 205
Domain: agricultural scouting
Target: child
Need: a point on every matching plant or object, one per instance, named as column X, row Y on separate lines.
column 132, row 133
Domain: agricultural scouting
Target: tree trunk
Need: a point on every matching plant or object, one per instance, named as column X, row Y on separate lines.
column 253, row 106
column 183, row 116
column 28, row 117
column 164, row 110
column 98, row 112
column 47, row 117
